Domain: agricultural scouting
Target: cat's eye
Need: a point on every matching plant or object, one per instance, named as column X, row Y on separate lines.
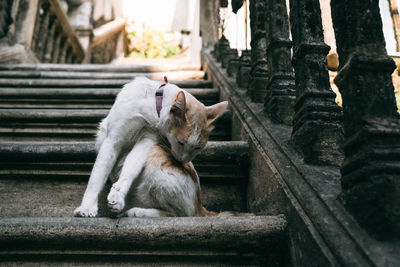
column 180, row 143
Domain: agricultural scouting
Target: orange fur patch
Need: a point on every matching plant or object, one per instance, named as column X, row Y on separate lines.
column 195, row 114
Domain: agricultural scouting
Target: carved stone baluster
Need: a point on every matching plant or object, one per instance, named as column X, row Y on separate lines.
column 49, row 46
column 70, row 53
column 233, row 66
column 258, row 78
column 36, row 28
column 63, row 51
column 371, row 169
column 280, row 97
column 74, row 59
column 227, row 56
column 43, row 29
column 243, row 72
column 221, row 47
column 56, row 45
column 317, row 125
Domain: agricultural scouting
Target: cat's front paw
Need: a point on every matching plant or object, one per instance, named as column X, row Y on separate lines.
column 86, row 211
column 115, row 200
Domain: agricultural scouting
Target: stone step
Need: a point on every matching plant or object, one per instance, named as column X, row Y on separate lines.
column 78, row 98
column 201, row 241
column 71, row 124
column 90, row 83
column 176, row 75
column 101, row 67
column 49, row 178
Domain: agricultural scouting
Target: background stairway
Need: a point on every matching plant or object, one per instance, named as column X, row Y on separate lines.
column 48, row 117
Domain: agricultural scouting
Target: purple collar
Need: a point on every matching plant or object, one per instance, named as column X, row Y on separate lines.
column 159, row 96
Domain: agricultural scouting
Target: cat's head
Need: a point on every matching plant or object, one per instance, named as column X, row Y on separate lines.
column 190, row 124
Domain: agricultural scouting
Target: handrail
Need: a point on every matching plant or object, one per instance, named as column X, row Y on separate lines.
column 106, row 31
column 107, row 41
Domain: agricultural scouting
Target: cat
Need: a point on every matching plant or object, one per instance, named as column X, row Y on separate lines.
column 134, row 125
column 168, row 188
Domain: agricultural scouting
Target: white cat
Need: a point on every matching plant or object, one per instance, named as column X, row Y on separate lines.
column 133, row 127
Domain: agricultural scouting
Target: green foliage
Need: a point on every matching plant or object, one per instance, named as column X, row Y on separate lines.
column 150, row 44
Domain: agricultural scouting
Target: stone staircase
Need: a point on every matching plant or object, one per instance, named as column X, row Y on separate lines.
column 48, row 117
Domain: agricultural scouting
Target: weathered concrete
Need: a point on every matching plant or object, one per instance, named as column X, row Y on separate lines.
column 321, row 232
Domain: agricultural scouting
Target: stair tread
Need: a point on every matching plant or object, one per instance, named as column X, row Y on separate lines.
column 90, row 83
column 89, row 92
column 193, row 241
column 61, row 114
column 86, row 148
column 177, row 75
column 249, row 234
column 102, row 67
column 30, row 196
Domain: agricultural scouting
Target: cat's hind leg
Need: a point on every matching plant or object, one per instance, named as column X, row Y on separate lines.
column 131, row 169
column 142, row 212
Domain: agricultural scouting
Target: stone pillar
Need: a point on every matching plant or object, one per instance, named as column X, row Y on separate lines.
column 221, row 47
column 63, row 51
column 49, row 46
column 280, row 97
column 44, row 20
column 243, row 72
column 371, row 169
column 57, row 44
column 227, row 56
column 233, row 66
column 258, row 74
column 317, row 124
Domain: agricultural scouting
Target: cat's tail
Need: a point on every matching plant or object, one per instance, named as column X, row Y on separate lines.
column 205, row 213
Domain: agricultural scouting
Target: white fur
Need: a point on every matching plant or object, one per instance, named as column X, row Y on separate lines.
column 129, row 123
column 166, row 190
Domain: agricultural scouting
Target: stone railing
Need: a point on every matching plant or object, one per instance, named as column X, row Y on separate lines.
column 39, row 32
column 107, row 42
column 360, row 142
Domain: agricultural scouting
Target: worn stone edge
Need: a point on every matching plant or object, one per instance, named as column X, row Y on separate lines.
column 161, row 233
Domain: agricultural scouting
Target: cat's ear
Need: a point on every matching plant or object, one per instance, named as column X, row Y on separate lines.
column 215, row 111
column 178, row 108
